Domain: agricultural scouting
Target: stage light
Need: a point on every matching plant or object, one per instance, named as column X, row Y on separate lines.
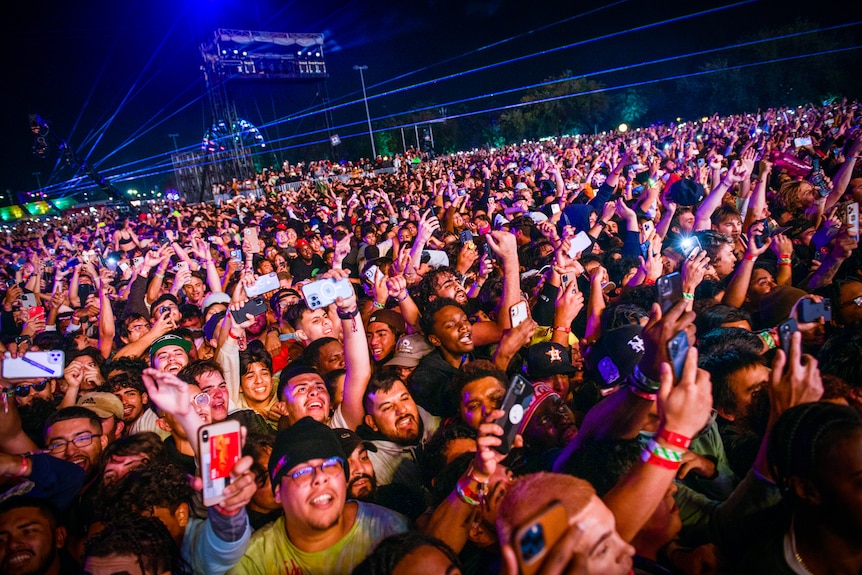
column 623, row 128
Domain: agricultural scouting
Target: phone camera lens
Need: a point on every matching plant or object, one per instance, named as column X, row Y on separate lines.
column 205, row 435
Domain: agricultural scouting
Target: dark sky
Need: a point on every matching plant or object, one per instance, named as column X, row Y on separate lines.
column 78, row 64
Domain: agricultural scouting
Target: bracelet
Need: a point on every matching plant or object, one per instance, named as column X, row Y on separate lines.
column 784, row 261
column 379, row 305
column 562, row 328
column 686, row 295
column 649, row 282
column 160, row 275
column 784, row 256
column 230, row 333
column 642, row 382
column 675, row 438
column 25, row 464
column 749, row 257
column 406, row 295
column 768, row 338
column 350, row 314
column 466, row 494
column 643, row 394
column 666, row 453
column 652, row 459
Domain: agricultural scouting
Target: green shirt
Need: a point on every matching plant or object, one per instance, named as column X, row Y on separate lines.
column 271, row 552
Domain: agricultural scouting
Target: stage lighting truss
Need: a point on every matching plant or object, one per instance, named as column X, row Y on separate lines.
column 242, row 134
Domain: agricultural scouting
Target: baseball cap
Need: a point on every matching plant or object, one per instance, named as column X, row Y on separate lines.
column 541, row 392
column 391, row 318
column 410, row 350
column 350, row 440
column 170, row 339
column 615, row 354
column 549, row 358
column 303, row 441
column 102, row 403
column 214, row 298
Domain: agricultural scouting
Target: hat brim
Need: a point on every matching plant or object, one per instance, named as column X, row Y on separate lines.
column 402, row 362
column 567, row 369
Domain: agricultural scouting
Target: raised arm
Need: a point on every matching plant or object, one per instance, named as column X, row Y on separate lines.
column 357, row 359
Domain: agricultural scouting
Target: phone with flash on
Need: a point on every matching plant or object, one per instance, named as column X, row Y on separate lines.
column 220, row 449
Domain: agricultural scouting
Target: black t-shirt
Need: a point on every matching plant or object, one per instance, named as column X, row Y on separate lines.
column 302, row 271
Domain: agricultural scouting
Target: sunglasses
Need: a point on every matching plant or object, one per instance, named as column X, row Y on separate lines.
column 24, row 390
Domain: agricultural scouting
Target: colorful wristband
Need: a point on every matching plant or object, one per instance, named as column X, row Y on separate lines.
column 652, row 459
column 649, row 282
column 562, row 329
column 379, row 306
column 686, row 295
column 466, row 494
column 750, row 257
column 641, row 382
column 643, row 394
column 675, row 438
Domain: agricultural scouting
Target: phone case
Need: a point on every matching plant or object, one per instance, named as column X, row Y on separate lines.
column 324, row 292
column 851, row 218
column 254, row 306
column 266, row 283
column 220, row 449
column 518, row 313
column 677, row 350
column 251, row 233
column 581, row 242
column 785, row 333
column 811, row 311
column 669, row 290
column 517, row 399
column 534, row 540
column 34, row 364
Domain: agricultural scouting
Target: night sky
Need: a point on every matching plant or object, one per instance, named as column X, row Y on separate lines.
column 77, row 64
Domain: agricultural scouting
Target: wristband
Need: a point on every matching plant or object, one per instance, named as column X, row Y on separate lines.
column 642, row 383
column 784, row 256
column 379, row 305
column 666, row 453
column 562, row 328
column 348, row 314
column 25, row 464
column 675, row 438
column 768, row 337
column 466, row 494
column 652, row 459
column 750, row 257
column 406, row 295
column 649, row 282
column 686, row 295
column 784, row 261
column 230, row 333
column 643, row 394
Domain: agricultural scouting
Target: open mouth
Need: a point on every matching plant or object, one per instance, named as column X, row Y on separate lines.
column 19, row 558
column 466, row 339
column 405, row 422
column 316, row 404
column 322, row 501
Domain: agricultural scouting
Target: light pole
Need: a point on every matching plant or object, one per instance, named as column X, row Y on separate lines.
column 367, row 114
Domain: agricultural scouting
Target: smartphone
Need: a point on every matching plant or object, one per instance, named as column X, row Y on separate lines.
column 251, row 234
column 534, row 540
column 515, row 403
column 800, row 142
column 71, row 263
column 371, row 274
column 555, row 208
column 765, row 234
column 518, row 313
column 255, row 306
column 34, row 364
column 28, row 300
column 786, row 330
column 811, row 311
column 322, row 293
column 688, row 245
column 850, row 216
column 669, row 291
column 263, row 284
column 220, row 449
column 677, row 349
column 36, row 311
column 466, row 237
column 182, row 266
column 701, row 162
column 580, row 243
column 236, row 255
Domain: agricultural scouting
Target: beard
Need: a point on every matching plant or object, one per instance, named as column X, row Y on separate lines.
column 367, row 494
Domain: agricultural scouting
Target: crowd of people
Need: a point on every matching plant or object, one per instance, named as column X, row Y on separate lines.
column 636, row 352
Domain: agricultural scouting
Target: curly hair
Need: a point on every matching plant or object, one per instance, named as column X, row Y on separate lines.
column 144, row 538
column 143, row 490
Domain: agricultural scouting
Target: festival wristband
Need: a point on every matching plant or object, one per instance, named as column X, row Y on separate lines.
column 675, row 439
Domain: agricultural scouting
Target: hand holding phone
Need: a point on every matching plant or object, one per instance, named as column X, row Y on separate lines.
column 535, row 539
column 220, row 449
column 515, row 403
column 518, row 313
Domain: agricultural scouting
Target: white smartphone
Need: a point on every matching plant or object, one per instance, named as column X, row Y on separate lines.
column 28, row 300
column 555, row 208
column 321, row 293
column 371, row 273
column 263, row 284
column 581, row 242
column 220, row 449
column 851, row 218
column 518, row 313
column 34, row 364
column 251, row 234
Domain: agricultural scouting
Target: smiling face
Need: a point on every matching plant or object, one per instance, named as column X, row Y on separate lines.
column 452, row 331
column 304, row 395
column 134, row 403
column 381, row 340
column 256, row 384
column 394, row 414
column 362, row 480
column 83, row 456
column 29, row 542
column 447, row 285
column 171, row 358
column 195, row 290
column 213, row 384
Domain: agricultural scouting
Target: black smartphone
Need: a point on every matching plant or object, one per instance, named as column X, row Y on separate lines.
column 786, row 330
column 677, row 350
column 255, row 306
column 85, row 290
column 466, row 237
column 767, row 233
column 517, row 399
column 669, row 291
column 811, row 311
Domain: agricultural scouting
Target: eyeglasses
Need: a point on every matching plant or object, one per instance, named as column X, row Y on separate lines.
column 24, row 390
column 201, row 400
column 305, row 475
column 857, row 301
column 59, row 446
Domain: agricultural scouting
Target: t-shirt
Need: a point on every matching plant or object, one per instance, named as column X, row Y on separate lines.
column 302, row 271
column 271, row 552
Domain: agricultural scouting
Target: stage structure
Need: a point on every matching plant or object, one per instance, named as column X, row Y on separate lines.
column 239, row 56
